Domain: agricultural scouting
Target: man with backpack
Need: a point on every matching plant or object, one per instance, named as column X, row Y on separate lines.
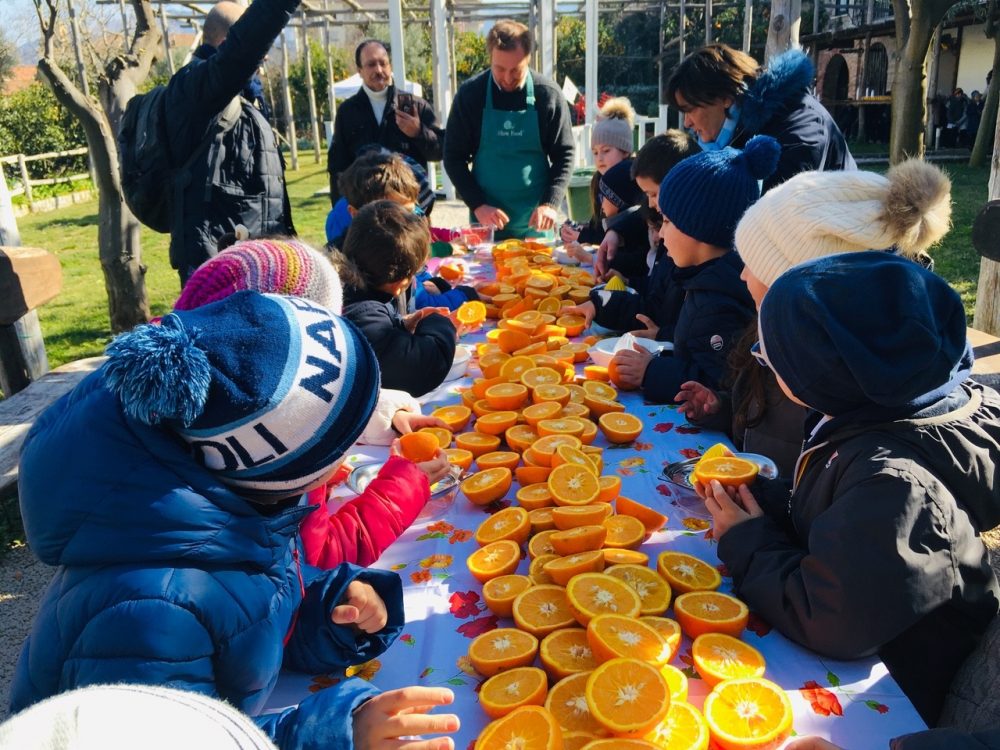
column 197, row 157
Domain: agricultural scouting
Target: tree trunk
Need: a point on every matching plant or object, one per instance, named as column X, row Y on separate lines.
column 117, row 230
column 783, row 32
column 987, row 316
column 987, row 125
column 906, row 135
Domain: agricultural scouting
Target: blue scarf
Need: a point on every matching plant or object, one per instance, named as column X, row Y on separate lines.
column 725, row 136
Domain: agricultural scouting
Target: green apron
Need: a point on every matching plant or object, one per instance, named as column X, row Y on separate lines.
column 510, row 165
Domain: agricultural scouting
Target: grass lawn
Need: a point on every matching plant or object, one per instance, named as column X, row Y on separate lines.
column 75, row 324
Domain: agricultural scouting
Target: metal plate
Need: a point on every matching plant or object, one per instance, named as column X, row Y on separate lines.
column 363, row 473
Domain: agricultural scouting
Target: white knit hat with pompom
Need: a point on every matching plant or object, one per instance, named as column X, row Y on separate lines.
column 822, row 213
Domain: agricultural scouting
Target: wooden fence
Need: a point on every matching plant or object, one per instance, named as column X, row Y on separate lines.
column 26, row 183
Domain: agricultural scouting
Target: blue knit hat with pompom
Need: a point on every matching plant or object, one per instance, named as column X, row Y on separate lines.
column 705, row 195
column 267, row 391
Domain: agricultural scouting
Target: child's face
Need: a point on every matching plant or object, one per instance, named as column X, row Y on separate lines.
column 606, row 157
column 652, row 190
column 682, row 249
column 395, row 287
column 608, row 208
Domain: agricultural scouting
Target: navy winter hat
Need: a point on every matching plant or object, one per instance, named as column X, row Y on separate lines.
column 867, row 331
column 618, row 186
column 268, row 391
column 705, row 195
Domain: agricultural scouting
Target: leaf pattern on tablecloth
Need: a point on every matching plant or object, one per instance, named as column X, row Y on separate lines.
column 459, row 535
column 688, row 430
column 723, row 570
column 876, row 706
column 822, row 701
column 397, row 566
column 420, row 576
column 689, row 452
column 425, row 672
column 695, row 524
column 408, row 639
column 322, row 682
column 436, row 561
column 364, row 671
column 758, row 625
column 464, row 663
column 663, row 427
column 465, row 604
column 641, row 446
column 476, row 627
column 664, row 490
column 437, row 530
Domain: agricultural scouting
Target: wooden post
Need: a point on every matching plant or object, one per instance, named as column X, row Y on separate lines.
column 125, row 39
column 987, row 317
column 22, row 349
column 591, row 58
column 166, row 39
column 310, row 89
column 708, row 21
column 331, row 97
column 747, row 24
column 930, row 142
column 22, row 164
column 286, row 97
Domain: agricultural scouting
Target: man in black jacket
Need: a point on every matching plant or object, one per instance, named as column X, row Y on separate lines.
column 509, row 149
column 240, row 178
column 380, row 113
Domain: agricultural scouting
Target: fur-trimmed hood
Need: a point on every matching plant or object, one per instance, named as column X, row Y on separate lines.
column 786, row 78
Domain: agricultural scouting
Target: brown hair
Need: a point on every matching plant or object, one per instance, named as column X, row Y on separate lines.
column 753, row 379
column 378, row 176
column 661, row 153
column 507, row 35
column 712, row 73
column 385, row 244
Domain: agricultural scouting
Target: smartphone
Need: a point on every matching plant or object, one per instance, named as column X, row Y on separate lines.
column 404, row 102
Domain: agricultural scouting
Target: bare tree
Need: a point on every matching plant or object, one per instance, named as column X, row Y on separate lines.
column 915, row 22
column 987, row 125
column 118, row 234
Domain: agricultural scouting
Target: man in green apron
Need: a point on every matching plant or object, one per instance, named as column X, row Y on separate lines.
column 512, row 125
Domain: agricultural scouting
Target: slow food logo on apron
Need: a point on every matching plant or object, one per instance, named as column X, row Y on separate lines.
column 507, row 130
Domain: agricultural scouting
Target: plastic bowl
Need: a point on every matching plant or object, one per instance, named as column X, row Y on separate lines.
column 460, row 364
column 603, row 351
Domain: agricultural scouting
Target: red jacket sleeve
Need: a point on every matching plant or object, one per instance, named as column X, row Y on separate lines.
column 361, row 530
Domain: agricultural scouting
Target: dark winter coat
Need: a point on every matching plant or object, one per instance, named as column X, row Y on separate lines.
column 778, row 104
column 878, row 549
column 166, row 577
column 465, row 123
column 659, row 297
column 355, row 127
column 716, row 310
column 413, row 362
column 242, row 179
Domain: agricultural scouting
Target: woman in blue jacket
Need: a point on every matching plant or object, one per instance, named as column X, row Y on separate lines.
column 168, row 489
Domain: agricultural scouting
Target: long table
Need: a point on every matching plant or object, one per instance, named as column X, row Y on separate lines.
column 854, row 704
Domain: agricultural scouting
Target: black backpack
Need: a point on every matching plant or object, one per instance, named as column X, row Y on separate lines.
column 144, row 161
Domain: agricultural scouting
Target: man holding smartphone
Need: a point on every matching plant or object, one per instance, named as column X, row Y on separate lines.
column 380, row 113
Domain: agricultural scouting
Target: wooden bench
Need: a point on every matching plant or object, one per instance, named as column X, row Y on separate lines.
column 987, row 350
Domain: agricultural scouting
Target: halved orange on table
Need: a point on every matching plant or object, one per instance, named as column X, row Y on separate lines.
column 572, row 484
column 560, row 426
column 477, row 443
column 520, row 437
column 529, row 474
column 511, row 340
column 600, row 406
column 538, row 376
column 494, row 560
column 570, row 516
column 653, row 591
column 748, row 714
column 541, row 544
column 557, row 393
column 500, row 649
column 456, row 417
column 514, row 367
column 624, row 532
column 699, row 612
column 651, row 519
column 600, row 389
column 496, row 422
column 526, row 728
column 613, row 636
column 543, row 609
column 614, row 556
column 459, row 457
column 534, row 496
column 563, row 568
column 511, row 689
column 686, row 572
column 493, row 459
column 677, row 682
column 419, row 446
column 565, row 652
column 668, row 629
column 719, row 657
column 629, row 697
column 541, row 520
column 684, row 728
column 510, row 523
column 543, row 410
column 537, row 572
column 507, row 396
column 543, row 450
column 499, row 593
column 619, row 427
column 577, row 539
column 611, row 486
column 567, row 700
column 574, row 324
column 491, row 364
column 593, row 594
column 483, row 487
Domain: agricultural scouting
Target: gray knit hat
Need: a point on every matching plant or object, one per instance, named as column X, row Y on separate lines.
column 614, row 125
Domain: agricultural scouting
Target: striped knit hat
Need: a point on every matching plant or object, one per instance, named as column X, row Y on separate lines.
column 271, row 266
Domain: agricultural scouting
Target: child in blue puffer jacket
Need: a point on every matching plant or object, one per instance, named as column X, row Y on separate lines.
column 168, row 489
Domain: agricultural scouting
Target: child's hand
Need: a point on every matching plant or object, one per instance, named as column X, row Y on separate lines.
column 575, row 250
column 587, row 310
column 411, row 321
column 407, row 421
column 697, row 401
column 437, row 468
column 431, row 288
column 382, row 721
column 362, row 608
column 729, row 506
column 632, row 364
column 569, row 233
column 649, row 329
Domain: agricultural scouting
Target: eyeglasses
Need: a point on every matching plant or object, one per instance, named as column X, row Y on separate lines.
column 759, row 355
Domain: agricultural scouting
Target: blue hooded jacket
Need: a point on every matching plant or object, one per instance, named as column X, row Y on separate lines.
column 167, row 577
